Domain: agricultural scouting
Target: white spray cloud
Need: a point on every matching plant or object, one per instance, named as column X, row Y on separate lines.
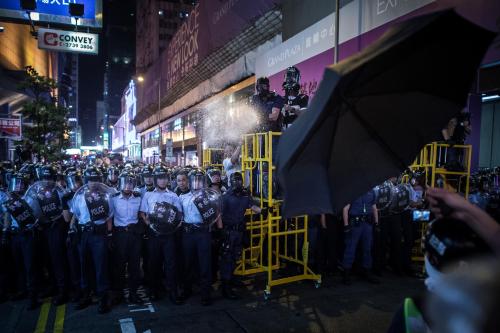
column 227, row 123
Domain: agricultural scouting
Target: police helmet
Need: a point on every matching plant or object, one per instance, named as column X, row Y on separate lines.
column 163, row 173
column 92, row 174
column 262, row 85
column 128, row 181
column 147, row 171
column 448, row 241
column 48, row 172
column 212, row 174
column 196, row 179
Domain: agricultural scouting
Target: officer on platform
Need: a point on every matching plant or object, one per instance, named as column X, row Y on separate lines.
column 45, row 198
column 359, row 218
column 234, row 204
column 127, row 236
column 295, row 102
column 19, row 224
column 196, row 240
column 93, row 210
column 161, row 248
column 268, row 106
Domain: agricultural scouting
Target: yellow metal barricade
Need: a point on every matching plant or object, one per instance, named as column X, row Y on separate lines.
column 432, row 160
column 213, row 157
column 274, row 242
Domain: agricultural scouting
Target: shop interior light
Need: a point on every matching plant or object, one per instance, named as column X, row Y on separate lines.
column 490, row 98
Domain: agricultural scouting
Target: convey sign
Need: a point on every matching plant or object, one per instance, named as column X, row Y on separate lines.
column 67, row 41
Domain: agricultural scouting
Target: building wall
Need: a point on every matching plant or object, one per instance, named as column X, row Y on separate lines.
column 19, row 49
column 300, row 14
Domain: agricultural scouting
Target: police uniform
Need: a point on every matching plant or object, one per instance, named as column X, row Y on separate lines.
column 161, row 248
column 360, row 221
column 233, row 219
column 299, row 101
column 22, row 242
column 127, row 237
column 48, row 209
column 196, row 243
column 72, row 251
column 92, row 225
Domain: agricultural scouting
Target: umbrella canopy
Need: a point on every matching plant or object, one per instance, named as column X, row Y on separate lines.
column 374, row 111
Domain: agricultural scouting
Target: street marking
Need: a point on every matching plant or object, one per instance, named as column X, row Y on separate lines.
column 44, row 315
column 59, row 323
column 150, row 308
column 127, row 325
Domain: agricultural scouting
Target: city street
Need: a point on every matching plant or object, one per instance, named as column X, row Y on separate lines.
column 300, row 307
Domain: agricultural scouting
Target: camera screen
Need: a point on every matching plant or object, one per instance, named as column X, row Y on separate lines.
column 421, row 215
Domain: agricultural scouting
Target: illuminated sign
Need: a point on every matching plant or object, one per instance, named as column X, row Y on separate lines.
column 55, row 11
column 68, row 41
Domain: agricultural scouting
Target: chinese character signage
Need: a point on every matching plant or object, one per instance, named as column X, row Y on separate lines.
column 10, row 128
column 68, row 41
column 55, row 11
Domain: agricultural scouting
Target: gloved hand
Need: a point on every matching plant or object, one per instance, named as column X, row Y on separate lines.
column 109, row 241
column 347, row 230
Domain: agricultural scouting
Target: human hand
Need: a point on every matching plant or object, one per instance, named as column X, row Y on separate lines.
column 444, row 203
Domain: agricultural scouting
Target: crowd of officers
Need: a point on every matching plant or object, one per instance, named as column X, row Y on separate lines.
column 75, row 233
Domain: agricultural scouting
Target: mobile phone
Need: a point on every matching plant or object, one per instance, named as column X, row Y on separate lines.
column 421, row 215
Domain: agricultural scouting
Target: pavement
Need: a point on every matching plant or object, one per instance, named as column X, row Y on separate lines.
column 297, row 307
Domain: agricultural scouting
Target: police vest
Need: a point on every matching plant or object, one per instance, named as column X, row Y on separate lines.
column 50, row 204
column 20, row 211
column 97, row 204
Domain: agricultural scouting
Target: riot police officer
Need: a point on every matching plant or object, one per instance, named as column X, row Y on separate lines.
column 295, row 102
column 234, row 204
column 182, row 182
column 20, row 223
column 127, row 235
column 161, row 245
column 196, row 238
column 147, row 180
column 74, row 181
column 268, row 105
column 112, row 178
column 359, row 217
column 214, row 180
column 93, row 210
column 45, row 197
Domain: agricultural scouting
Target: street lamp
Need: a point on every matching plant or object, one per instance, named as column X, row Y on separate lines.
column 140, row 79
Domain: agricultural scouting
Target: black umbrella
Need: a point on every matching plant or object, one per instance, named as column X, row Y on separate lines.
column 376, row 110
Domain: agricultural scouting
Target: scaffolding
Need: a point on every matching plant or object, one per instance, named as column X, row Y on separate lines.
column 277, row 247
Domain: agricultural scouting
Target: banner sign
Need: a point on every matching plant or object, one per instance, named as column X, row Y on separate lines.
column 10, row 128
column 209, row 26
column 68, row 41
column 55, row 11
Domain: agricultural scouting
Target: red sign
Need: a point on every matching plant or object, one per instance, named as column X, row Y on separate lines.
column 10, row 128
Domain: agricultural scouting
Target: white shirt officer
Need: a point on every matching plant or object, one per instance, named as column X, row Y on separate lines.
column 191, row 213
column 125, row 209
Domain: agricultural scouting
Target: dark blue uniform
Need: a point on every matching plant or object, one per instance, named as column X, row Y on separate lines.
column 360, row 220
column 234, row 206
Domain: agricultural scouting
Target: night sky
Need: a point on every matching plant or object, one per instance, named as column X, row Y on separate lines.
column 91, row 68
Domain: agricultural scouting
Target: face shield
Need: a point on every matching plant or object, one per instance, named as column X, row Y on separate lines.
column 73, row 182
column 127, row 183
column 17, row 184
column 196, row 182
column 112, row 176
